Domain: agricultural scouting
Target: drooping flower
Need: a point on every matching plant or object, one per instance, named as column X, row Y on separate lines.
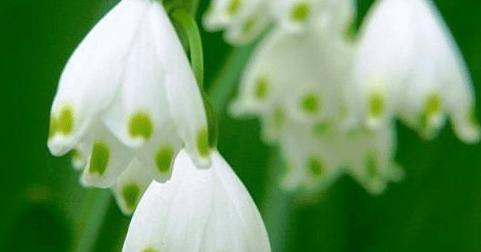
column 408, row 65
column 128, row 96
column 197, row 210
column 242, row 20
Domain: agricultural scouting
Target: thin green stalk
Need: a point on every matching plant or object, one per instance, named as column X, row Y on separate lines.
column 277, row 205
column 92, row 215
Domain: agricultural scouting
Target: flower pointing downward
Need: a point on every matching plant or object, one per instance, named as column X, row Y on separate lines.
column 197, row 210
column 128, row 96
column 408, row 65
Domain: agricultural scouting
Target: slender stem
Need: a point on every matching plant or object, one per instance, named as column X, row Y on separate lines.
column 189, row 30
column 92, row 214
column 277, row 205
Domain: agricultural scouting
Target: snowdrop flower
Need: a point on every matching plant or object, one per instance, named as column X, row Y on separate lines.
column 243, row 20
column 408, row 65
column 197, row 210
column 299, row 15
column 295, row 77
column 128, row 95
column 316, row 156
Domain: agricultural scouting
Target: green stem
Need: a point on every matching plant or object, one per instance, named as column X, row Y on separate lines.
column 187, row 28
column 92, row 215
column 277, row 205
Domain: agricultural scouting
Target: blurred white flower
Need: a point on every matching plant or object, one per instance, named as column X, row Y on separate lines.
column 128, row 96
column 197, row 210
column 408, row 65
column 244, row 20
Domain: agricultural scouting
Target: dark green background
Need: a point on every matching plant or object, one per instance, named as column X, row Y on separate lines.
column 43, row 208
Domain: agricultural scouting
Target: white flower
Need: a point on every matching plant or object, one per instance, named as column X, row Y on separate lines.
column 197, row 210
column 408, row 65
column 297, row 77
column 128, row 92
column 243, row 20
column 317, row 155
column 299, row 15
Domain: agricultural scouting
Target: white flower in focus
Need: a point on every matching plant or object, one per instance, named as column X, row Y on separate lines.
column 197, row 210
column 408, row 65
column 242, row 20
column 126, row 95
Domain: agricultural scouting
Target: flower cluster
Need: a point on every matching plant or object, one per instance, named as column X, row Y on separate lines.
column 330, row 99
column 130, row 111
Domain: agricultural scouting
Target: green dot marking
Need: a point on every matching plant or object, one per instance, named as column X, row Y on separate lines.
column 131, row 193
column 249, row 25
column 75, row 154
column 140, row 125
column 203, row 142
column 320, row 128
column 432, row 108
column 149, row 250
column 372, row 168
column 279, row 117
column 315, row 167
column 300, row 12
column 163, row 159
column 99, row 159
column 233, row 7
column 65, row 121
column 53, row 129
column 261, row 88
column 376, row 104
column 310, row 103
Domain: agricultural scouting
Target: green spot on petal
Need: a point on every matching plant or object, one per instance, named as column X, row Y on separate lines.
column 249, row 25
column 315, row 167
column 75, row 154
column 372, row 168
column 131, row 193
column 310, row 103
column 203, row 143
column 233, row 7
column 65, row 121
column 99, row 159
column 320, row 128
column 163, row 159
column 140, row 125
column 149, row 250
column 53, row 128
column 261, row 88
column 279, row 117
column 376, row 104
column 300, row 12
column 432, row 109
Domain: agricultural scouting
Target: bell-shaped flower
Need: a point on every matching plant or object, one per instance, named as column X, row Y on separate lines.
column 197, row 210
column 408, row 65
column 128, row 93
column 331, row 15
column 242, row 20
column 316, row 156
column 295, row 77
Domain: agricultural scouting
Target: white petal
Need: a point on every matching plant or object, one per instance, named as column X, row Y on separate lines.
column 158, row 155
column 91, row 76
column 81, row 154
column 107, row 160
column 197, row 210
column 247, row 28
column 141, row 108
column 369, row 156
column 130, row 186
column 183, row 95
column 384, row 61
column 312, row 157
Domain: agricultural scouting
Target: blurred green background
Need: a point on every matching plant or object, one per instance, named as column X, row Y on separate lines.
column 43, row 207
